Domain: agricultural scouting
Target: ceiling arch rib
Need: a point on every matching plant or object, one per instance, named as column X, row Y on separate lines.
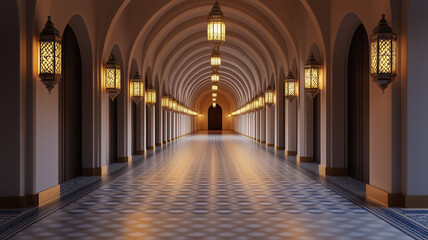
column 253, row 37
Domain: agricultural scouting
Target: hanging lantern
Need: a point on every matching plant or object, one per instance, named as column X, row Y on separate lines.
column 290, row 86
column 216, row 27
column 214, row 87
column 215, row 57
column 165, row 103
column 50, row 55
column 214, row 99
column 312, row 75
column 214, row 94
column 383, row 54
column 151, row 96
column 261, row 101
column 137, row 88
column 269, row 96
column 214, row 105
column 215, row 77
column 112, row 77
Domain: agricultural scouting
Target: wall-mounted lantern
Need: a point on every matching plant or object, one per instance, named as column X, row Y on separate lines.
column 136, row 87
column 50, row 55
column 290, row 86
column 214, row 87
column 214, row 105
column 151, row 96
column 261, row 100
column 270, row 96
column 214, row 94
column 383, row 54
column 312, row 75
column 112, row 77
column 216, row 26
column 165, row 102
column 256, row 104
column 175, row 106
column 215, row 77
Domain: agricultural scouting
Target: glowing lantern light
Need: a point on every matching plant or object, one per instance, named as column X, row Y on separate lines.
column 137, row 88
column 165, row 102
column 312, row 75
column 269, row 96
column 290, row 86
column 214, row 94
column 50, row 55
column 214, row 105
column 214, row 99
column 255, row 104
column 215, row 57
column 383, row 54
column 151, row 96
column 216, row 26
column 261, row 101
column 112, row 77
column 214, row 87
column 215, row 77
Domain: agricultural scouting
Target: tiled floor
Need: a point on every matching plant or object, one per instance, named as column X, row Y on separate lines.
column 210, row 186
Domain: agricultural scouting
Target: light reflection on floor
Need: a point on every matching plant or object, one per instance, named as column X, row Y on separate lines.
column 212, row 186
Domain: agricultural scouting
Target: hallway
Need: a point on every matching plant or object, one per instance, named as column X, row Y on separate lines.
column 213, row 185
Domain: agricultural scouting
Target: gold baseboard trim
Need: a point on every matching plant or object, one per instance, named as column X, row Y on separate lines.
column 124, row 159
column 305, row 159
column 140, row 152
column 99, row 171
column 291, row 153
column 257, row 140
column 384, row 198
column 263, row 142
column 270, row 145
column 164, row 142
column 151, row 148
column 169, row 140
column 279, row 148
column 39, row 199
column 49, row 195
column 158, row 144
column 416, row 201
column 328, row 171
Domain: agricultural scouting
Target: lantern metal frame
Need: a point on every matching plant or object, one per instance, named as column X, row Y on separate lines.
column 290, row 87
column 215, row 76
column 165, row 103
column 151, row 96
column 312, row 77
column 383, row 54
column 216, row 57
column 136, row 86
column 112, row 73
column 270, row 96
column 50, row 55
column 216, row 26
column 261, row 99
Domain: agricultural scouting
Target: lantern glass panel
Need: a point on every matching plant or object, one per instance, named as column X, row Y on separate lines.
column 214, row 87
column 214, row 94
column 261, row 101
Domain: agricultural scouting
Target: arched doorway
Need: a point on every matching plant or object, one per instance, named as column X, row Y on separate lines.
column 70, row 99
column 358, row 106
column 317, row 128
column 113, row 130
column 215, row 118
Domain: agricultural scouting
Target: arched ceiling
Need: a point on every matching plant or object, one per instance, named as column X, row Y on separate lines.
column 169, row 37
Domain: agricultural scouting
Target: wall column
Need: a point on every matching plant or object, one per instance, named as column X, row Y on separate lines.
column 270, row 126
column 257, row 125
column 158, row 120
column 151, row 128
column 263, row 125
column 165, row 126
column 141, row 129
column 291, row 128
column 279, row 115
